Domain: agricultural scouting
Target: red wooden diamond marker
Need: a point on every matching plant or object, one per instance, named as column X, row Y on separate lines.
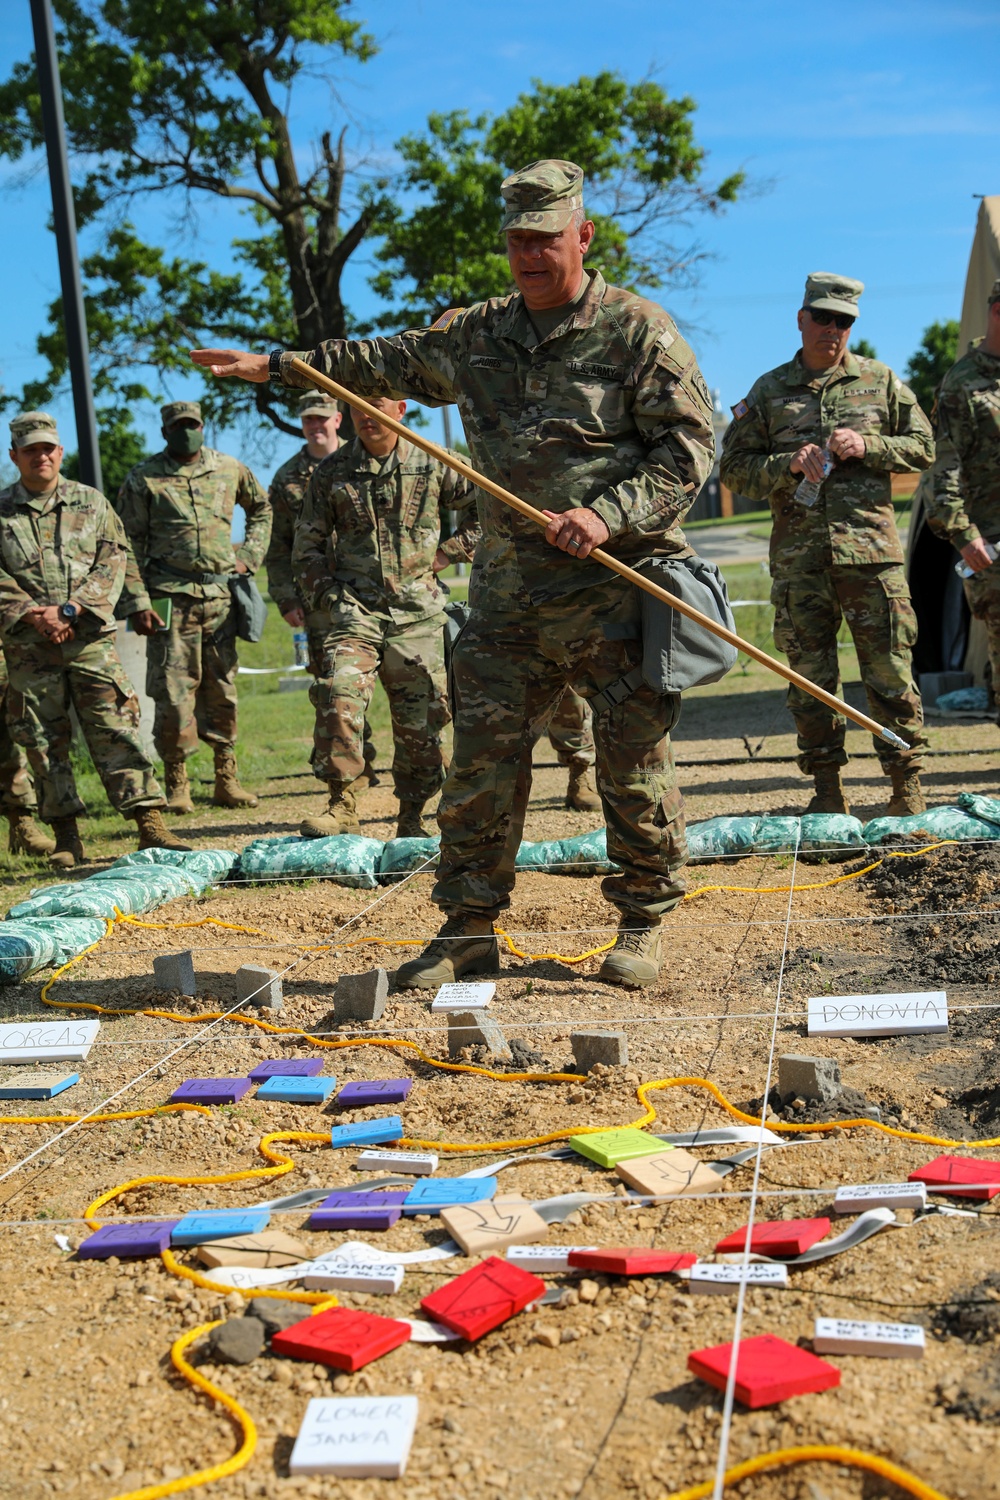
column 633, row 1262
column 483, row 1297
column 940, row 1173
column 778, row 1237
column 768, row 1370
column 342, row 1337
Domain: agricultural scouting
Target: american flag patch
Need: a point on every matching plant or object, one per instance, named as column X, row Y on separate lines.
column 446, row 318
column 740, row 409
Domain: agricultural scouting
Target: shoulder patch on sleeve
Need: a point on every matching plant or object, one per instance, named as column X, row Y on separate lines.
column 740, row 409
column 447, row 318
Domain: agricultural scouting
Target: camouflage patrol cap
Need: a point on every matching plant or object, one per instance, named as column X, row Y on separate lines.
column 177, row 411
column 827, row 292
column 543, row 196
column 317, row 401
column 994, row 293
column 33, row 427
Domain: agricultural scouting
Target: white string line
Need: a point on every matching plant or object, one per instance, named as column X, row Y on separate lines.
column 389, row 891
column 727, row 1407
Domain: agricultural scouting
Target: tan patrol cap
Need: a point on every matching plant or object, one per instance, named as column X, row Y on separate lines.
column 317, row 401
column 33, row 427
column 827, row 292
column 994, row 293
column 176, row 411
column 543, row 196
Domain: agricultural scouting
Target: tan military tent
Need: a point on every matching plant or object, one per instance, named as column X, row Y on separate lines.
column 949, row 639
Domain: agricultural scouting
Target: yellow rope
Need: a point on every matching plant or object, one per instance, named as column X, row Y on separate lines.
column 830, row 1453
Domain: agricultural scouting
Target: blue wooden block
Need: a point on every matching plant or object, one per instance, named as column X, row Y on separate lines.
column 218, row 1224
column 435, row 1193
column 292, row 1090
column 38, row 1085
column 288, row 1067
column 367, row 1132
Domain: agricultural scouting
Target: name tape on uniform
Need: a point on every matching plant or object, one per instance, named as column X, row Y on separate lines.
column 878, row 1015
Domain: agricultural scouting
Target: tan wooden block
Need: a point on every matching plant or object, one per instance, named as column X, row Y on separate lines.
column 485, row 1228
column 669, row 1175
column 271, row 1247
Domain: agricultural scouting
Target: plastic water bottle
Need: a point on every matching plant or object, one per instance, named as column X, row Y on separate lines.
column 300, row 640
column 808, row 490
column 962, row 567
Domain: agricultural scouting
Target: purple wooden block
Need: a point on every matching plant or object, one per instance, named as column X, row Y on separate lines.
column 375, row 1091
column 287, row 1067
column 346, row 1210
column 127, row 1239
column 210, row 1091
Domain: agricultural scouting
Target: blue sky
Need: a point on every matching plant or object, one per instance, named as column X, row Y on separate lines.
column 868, row 129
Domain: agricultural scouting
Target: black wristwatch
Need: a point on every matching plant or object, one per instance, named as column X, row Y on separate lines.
column 68, row 611
column 274, row 364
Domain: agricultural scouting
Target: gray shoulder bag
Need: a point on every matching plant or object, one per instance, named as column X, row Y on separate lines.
column 249, row 607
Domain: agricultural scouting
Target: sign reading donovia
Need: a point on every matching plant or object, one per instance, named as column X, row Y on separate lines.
column 878, row 1015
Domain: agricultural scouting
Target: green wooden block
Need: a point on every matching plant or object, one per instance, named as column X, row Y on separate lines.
column 609, row 1147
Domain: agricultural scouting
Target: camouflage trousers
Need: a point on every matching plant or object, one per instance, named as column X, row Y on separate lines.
column 509, row 671
column 409, row 662
column 571, row 731
column 317, row 629
column 16, row 789
column 874, row 599
column 45, row 680
column 191, row 677
column 983, row 593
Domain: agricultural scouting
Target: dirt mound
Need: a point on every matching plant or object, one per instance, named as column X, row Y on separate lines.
column 974, row 1315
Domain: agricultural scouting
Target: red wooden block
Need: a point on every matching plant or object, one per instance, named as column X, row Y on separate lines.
column 940, row 1173
column 483, row 1297
column 778, row 1237
column 342, row 1337
column 632, row 1262
column 768, row 1370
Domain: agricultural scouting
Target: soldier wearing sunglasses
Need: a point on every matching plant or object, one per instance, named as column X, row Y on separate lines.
column 839, row 557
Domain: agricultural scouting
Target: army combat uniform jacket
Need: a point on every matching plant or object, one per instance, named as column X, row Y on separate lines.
column 853, row 520
column 608, row 411
column 965, row 494
column 370, row 529
column 179, row 520
column 287, row 496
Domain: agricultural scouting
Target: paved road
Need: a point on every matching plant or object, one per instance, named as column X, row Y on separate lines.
column 738, row 543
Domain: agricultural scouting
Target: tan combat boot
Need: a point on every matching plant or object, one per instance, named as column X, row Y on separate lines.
column 634, row 961
column 409, row 824
column 228, row 792
column 178, row 787
column 154, row 833
column 907, row 793
column 69, row 847
column 25, row 835
column 829, row 794
column 581, row 793
column 464, row 946
column 341, row 815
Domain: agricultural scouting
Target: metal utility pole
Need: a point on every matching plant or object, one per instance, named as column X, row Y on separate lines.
column 64, row 219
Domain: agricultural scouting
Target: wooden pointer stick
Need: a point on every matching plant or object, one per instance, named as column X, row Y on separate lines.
column 622, row 569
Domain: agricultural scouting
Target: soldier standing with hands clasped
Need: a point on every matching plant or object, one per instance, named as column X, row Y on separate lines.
column 819, row 438
column 584, row 399
column 177, row 508
column 964, row 505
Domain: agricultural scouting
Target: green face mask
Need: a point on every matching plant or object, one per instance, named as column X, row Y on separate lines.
column 182, row 442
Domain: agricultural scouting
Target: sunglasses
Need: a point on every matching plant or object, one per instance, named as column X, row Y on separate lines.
column 824, row 319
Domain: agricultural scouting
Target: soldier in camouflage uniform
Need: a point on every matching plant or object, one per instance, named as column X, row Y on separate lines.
column 177, row 508
column 839, row 558
column 571, row 735
column 584, row 399
column 64, row 567
column 321, row 417
column 964, row 505
column 367, row 547
column 17, row 792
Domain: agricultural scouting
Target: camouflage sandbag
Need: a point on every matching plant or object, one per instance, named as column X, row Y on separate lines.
column 830, row 833
column 401, row 856
column 583, row 854
column 81, row 899
column 970, row 700
column 777, row 836
column 987, row 808
column 721, row 836
column 209, row 865
column 344, row 857
column 934, row 824
column 28, row 945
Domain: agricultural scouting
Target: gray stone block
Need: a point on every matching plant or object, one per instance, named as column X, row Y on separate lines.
column 238, row 1341
column 257, row 985
column 808, row 1078
column 275, row 1315
column 476, row 1028
column 361, row 997
column 607, row 1047
column 934, row 684
column 175, row 971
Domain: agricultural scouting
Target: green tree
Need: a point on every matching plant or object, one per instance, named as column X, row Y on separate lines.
column 864, row 348
column 931, row 361
column 644, row 172
column 121, row 449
